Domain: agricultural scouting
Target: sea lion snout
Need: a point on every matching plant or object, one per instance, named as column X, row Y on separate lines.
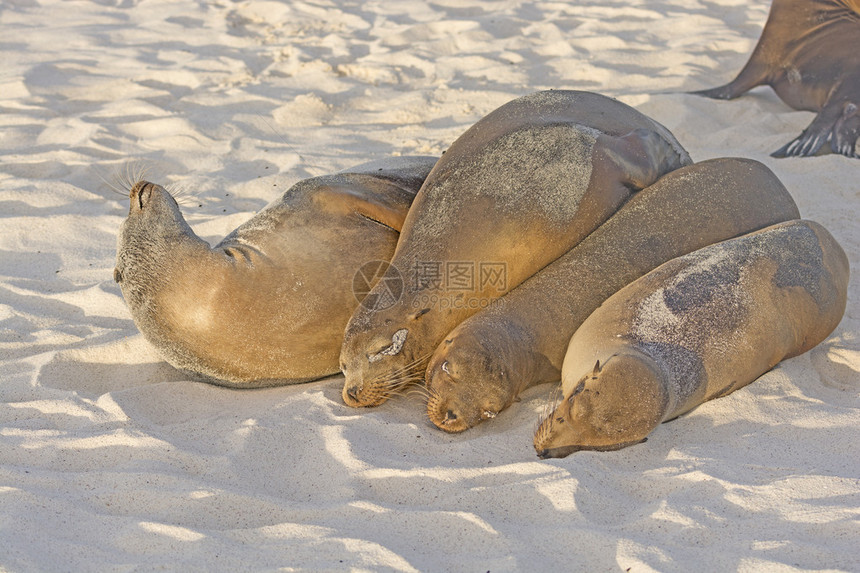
column 143, row 192
column 456, row 404
column 350, row 394
column 359, row 395
column 441, row 408
column 353, row 390
column 562, row 452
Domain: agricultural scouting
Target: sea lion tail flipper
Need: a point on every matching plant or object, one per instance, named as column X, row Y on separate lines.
column 753, row 74
column 726, row 91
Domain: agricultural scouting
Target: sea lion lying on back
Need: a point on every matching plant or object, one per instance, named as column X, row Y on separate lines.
column 515, row 191
column 268, row 304
column 490, row 358
column 695, row 328
column 808, row 53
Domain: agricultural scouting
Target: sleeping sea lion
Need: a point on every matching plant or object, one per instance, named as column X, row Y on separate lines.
column 695, row 328
column 515, row 191
column 490, row 358
column 268, row 304
column 808, row 54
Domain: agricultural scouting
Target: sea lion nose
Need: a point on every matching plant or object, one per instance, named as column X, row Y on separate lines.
column 450, row 416
column 352, row 392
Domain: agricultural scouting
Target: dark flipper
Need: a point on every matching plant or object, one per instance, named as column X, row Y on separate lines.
column 722, row 92
column 753, row 74
column 806, row 144
column 846, row 131
column 837, row 123
column 643, row 156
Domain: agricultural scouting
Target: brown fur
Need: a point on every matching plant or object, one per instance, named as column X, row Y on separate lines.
column 484, row 363
column 268, row 304
column 518, row 189
column 697, row 327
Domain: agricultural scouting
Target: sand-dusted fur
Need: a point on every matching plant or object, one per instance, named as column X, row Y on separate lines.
column 515, row 191
column 696, row 328
column 269, row 303
column 807, row 53
column 484, row 363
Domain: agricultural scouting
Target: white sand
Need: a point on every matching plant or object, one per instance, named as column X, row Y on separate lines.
column 111, row 460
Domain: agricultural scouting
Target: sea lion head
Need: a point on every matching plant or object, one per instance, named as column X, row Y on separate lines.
column 154, row 225
column 614, row 406
column 470, row 379
column 378, row 357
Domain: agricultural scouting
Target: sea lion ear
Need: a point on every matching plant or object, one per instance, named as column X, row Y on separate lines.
column 596, row 370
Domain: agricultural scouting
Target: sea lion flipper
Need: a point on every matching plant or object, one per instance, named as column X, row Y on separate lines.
column 381, row 201
column 803, row 145
column 752, row 75
column 390, row 214
column 642, row 156
column 815, row 135
column 845, row 132
column 720, row 92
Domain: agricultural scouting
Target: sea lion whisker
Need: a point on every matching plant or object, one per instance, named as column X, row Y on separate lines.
column 547, row 420
column 411, row 391
column 415, row 364
column 412, row 372
column 131, row 173
column 181, row 193
column 399, row 382
column 113, row 187
column 141, row 170
column 550, row 405
column 127, row 176
column 433, row 397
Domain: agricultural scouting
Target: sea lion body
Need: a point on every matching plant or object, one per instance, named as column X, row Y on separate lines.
column 268, row 304
column 807, row 53
column 515, row 191
column 487, row 360
column 696, row 328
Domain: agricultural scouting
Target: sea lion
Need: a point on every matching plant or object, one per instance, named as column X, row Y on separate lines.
column 268, row 304
column 490, row 358
column 808, row 54
column 515, row 191
column 696, row 328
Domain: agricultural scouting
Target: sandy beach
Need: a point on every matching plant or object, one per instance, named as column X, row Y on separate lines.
column 112, row 460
